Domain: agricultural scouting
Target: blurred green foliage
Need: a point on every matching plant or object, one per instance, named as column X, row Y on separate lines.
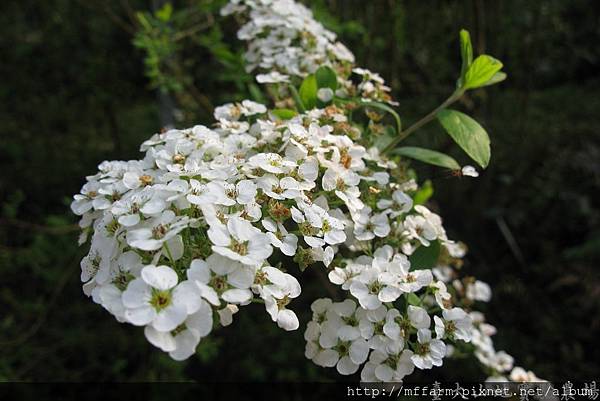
column 83, row 82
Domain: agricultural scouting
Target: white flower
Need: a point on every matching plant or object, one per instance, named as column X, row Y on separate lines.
column 228, row 194
column 388, row 368
column 239, row 240
column 156, row 231
column 419, row 228
column 285, row 188
column 278, row 294
column 340, row 342
column 181, row 342
column 199, row 193
column 428, row 352
column 469, row 171
column 367, row 226
column 271, row 163
column 344, row 276
column 398, row 205
column 418, row 317
column 345, row 185
column 273, row 77
column 280, row 238
column 226, row 314
column 325, row 94
column 221, row 277
column 441, row 294
column 520, row 375
column 158, row 300
column 456, row 324
column 366, row 288
column 479, row 291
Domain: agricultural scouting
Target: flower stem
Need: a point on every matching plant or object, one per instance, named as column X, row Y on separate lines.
column 404, row 134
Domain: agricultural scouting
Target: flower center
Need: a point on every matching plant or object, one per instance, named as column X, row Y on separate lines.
column 374, row 287
column 346, row 159
column 260, row 278
column 281, row 303
column 178, row 158
column 219, row 283
column 343, row 347
column 145, row 180
column 122, row 279
column 160, row 299
column 159, row 231
column 239, row 247
column 422, row 349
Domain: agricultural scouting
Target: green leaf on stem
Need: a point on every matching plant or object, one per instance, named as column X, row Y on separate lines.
column 468, row 134
column 425, row 257
column 308, row 92
column 164, row 13
column 497, row 77
column 413, row 299
column 481, row 71
column 326, row 78
column 256, row 93
column 284, row 114
column 466, row 52
column 424, row 193
column 428, row 156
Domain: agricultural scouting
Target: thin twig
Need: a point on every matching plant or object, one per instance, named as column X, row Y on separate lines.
column 429, row 117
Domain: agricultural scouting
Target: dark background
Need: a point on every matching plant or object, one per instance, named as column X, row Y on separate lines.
column 75, row 90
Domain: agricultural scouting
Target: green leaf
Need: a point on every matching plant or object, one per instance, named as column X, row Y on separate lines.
column 425, row 257
column 413, row 299
column 468, row 134
column 326, row 78
column 466, row 52
column 165, row 12
column 423, row 194
column 497, row 77
column 256, row 93
column 284, row 114
column 481, row 71
column 428, row 156
column 308, row 92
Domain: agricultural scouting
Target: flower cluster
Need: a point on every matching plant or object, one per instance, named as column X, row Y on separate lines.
column 213, row 219
column 285, row 40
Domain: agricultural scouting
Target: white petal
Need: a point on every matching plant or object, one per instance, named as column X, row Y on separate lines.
column 236, row 296
column 162, row 340
column 345, row 366
column 136, row 294
column 389, row 294
column 327, row 358
column 140, row 316
column 359, row 350
column 384, row 373
column 169, row 318
column 287, row 320
column 160, row 277
column 186, row 345
column 202, row 320
column 187, row 294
